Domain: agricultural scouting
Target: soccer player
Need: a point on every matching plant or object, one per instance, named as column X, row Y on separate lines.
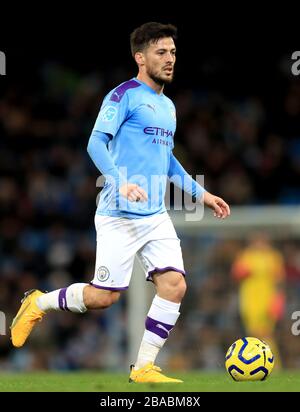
column 131, row 144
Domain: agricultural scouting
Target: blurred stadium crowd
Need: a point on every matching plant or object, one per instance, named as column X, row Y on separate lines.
column 248, row 148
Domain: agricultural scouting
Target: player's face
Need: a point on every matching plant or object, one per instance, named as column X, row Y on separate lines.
column 159, row 59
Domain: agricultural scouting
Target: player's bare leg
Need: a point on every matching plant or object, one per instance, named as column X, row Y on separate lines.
column 99, row 298
column 161, row 319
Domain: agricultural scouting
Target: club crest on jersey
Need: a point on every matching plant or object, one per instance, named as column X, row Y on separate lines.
column 108, row 113
column 102, row 273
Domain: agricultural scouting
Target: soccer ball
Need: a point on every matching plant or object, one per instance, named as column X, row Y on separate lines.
column 249, row 359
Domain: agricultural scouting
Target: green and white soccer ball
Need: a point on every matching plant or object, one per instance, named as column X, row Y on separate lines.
column 249, row 359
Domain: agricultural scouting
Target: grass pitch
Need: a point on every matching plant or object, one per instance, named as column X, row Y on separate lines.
column 196, row 381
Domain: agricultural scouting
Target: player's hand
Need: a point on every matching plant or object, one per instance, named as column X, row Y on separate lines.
column 133, row 192
column 217, row 204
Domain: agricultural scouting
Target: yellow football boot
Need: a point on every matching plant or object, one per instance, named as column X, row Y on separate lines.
column 29, row 314
column 150, row 374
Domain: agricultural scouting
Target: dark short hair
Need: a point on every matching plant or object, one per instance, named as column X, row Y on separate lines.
column 150, row 32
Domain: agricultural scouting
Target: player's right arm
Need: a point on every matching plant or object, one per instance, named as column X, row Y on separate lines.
column 108, row 122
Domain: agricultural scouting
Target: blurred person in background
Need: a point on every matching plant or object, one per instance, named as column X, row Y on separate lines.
column 259, row 269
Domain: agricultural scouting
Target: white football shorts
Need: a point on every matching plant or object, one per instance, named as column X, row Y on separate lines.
column 153, row 239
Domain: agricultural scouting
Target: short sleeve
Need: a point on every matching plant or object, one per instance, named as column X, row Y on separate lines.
column 112, row 114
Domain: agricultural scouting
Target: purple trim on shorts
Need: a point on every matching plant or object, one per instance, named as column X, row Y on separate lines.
column 107, row 288
column 159, row 328
column 121, row 90
column 62, row 299
column 162, row 270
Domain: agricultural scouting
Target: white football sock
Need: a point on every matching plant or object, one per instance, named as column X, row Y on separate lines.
column 160, row 320
column 70, row 298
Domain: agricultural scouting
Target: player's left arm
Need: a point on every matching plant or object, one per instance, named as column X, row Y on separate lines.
column 180, row 177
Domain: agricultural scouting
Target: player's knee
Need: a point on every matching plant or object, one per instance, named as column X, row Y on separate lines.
column 174, row 289
column 109, row 299
column 115, row 296
column 181, row 288
column 99, row 298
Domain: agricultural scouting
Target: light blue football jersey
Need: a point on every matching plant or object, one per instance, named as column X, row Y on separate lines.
column 141, row 124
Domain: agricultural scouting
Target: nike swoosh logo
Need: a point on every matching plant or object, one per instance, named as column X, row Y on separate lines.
column 158, row 325
column 18, row 316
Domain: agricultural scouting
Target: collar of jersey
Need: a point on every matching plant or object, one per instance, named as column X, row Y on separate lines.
column 147, row 87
